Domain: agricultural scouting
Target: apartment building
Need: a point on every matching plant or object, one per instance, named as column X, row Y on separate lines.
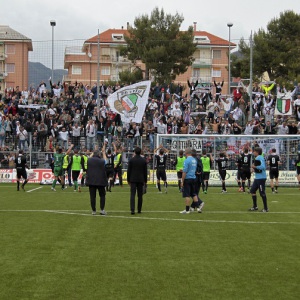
column 14, row 48
column 211, row 59
column 82, row 62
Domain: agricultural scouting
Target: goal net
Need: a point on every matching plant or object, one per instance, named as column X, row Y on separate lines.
column 287, row 147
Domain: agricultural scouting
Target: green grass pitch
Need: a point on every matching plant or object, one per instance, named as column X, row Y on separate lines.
column 53, row 248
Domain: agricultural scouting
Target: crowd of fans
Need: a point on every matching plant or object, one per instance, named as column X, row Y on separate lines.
column 69, row 113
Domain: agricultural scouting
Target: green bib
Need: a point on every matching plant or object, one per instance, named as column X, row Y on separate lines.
column 76, row 165
column 180, row 163
column 206, row 164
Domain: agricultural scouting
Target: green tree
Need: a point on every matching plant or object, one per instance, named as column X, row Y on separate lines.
column 129, row 77
column 157, row 41
column 276, row 50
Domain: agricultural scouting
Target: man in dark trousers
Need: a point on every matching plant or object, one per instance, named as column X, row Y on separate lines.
column 96, row 180
column 136, row 178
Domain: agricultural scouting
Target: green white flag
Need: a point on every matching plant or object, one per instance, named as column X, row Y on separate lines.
column 283, row 104
column 131, row 101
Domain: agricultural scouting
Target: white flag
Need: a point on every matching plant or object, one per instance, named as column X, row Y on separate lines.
column 131, row 101
column 284, row 104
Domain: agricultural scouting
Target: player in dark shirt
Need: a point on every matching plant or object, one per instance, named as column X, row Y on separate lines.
column 274, row 162
column 21, row 166
column 161, row 164
column 246, row 159
column 109, row 167
column 222, row 163
column 239, row 173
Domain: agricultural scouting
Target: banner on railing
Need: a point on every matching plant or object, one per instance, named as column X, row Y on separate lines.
column 45, row 176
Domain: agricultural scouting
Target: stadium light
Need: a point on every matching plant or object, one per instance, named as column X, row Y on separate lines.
column 229, row 57
column 53, row 24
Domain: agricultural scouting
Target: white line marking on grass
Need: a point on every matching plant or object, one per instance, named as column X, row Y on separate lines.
column 145, row 211
column 167, row 219
column 78, row 213
column 176, row 211
column 34, row 189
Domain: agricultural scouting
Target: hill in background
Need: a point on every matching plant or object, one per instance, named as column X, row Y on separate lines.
column 38, row 72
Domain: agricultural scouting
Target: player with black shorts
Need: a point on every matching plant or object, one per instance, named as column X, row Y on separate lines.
column 21, row 166
column 238, row 164
column 246, row 159
column 161, row 164
column 179, row 162
column 260, row 177
column 109, row 167
column 207, row 161
column 222, row 162
column 198, row 181
column 274, row 162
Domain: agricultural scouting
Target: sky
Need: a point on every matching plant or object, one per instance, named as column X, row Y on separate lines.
column 77, row 19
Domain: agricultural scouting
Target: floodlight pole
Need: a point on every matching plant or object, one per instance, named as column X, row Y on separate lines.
column 229, row 57
column 53, row 24
column 251, row 73
column 98, row 73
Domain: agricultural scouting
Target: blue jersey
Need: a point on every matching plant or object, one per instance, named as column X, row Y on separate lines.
column 260, row 166
column 190, row 167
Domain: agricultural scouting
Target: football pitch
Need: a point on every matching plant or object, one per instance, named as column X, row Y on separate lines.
column 53, row 248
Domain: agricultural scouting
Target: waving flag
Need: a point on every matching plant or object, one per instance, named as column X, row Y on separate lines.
column 131, row 101
column 283, row 104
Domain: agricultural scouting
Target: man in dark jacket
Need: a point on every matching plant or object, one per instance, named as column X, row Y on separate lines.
column 96, row 180
column 136, row 178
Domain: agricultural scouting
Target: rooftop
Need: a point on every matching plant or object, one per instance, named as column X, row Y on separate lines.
column 7, row 34
column 113, row 36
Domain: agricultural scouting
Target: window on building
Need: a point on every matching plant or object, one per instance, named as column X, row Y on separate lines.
column 117, row 37
column 105, row 71
column 196, row 73
column 201, row 39
column 217, row 54
column 10, row 68
column 9, row 85
column 10, row 49
column 76, row 70
column 216, row 73
column 105, row 51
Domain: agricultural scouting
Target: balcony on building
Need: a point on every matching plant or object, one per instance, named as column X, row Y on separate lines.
column 202, row 63
column 74, row 54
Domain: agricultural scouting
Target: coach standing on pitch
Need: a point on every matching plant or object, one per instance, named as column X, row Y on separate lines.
column 136, row 178
column 259, row 168
column 96, row 180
